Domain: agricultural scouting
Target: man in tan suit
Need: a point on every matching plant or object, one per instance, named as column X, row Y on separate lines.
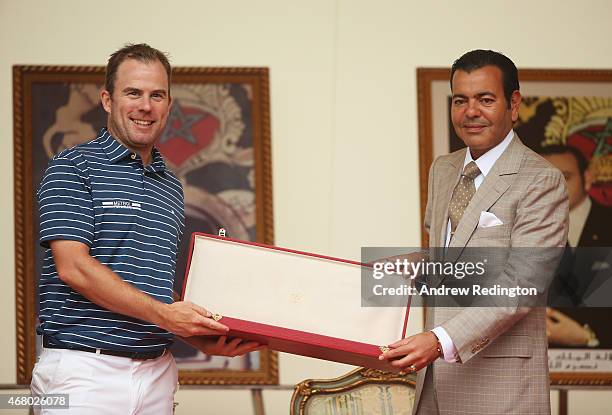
column 495, row 193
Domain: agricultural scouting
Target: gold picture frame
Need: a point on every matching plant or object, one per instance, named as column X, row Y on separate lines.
column 56, row 107
column 546, row 93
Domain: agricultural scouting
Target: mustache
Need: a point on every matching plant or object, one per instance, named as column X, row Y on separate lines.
column 475, row 123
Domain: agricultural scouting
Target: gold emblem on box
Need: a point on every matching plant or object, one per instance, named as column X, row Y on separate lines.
column 217, row 317
column 384, row 349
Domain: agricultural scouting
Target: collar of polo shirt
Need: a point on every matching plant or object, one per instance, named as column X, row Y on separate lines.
column 117, row 151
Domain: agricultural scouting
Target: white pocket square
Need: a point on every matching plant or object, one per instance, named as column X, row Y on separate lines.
column 487, row 220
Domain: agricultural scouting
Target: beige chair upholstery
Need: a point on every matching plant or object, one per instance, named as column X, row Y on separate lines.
column 360, row 392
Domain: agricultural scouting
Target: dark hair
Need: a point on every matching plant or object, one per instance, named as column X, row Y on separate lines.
column 140, row 52
column 581, row 161
column 480, row 58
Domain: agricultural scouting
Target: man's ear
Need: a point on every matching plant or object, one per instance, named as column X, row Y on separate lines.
column 588, row 180
column 515, row 103
column 105, row 98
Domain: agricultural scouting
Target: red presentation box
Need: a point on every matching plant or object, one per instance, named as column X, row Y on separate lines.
column 291, row 301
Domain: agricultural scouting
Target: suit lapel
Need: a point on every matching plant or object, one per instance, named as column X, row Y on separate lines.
column 492, row 188
column 449, row 174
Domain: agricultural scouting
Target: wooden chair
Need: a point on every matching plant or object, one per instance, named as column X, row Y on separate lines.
column 360, row 392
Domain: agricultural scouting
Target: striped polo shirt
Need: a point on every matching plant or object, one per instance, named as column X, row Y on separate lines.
column 131, row 216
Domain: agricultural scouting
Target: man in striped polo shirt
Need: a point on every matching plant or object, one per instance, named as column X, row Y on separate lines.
column 111, row 216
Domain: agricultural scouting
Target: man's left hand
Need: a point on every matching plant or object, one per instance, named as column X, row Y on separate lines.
column 413, row 353
column 222, row 346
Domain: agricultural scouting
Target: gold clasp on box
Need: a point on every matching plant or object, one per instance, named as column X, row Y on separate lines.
column 384, row 349
column 217, row 317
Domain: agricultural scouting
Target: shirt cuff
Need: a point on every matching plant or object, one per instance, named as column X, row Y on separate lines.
column 449, row 352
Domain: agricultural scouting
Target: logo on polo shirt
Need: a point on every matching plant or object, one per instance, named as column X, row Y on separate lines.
column 121, row 204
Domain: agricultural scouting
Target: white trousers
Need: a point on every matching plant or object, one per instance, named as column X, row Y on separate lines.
column 99, row 384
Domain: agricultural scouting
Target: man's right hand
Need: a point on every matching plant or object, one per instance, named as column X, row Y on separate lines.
column 186, row 319
column 563, row 330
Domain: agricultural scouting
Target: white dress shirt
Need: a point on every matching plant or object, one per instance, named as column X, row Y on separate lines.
column 485, row 164
column 577, row 219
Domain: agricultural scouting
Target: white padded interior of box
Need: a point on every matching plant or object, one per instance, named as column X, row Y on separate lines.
column 287, row 290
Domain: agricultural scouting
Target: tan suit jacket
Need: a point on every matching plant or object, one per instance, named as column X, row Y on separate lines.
column 502, row 350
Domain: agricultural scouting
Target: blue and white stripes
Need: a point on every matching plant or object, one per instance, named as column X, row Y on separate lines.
column 131, row 216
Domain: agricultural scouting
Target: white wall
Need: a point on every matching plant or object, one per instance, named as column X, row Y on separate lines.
column 344, row 116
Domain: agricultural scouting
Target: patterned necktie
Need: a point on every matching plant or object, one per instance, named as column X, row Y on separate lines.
column 463, row 193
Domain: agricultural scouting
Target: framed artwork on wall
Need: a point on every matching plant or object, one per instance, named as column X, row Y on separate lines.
column 566, row 116
column 217, row 142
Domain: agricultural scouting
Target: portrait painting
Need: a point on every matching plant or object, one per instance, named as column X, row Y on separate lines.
column 566, row 117
column 216, row 141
